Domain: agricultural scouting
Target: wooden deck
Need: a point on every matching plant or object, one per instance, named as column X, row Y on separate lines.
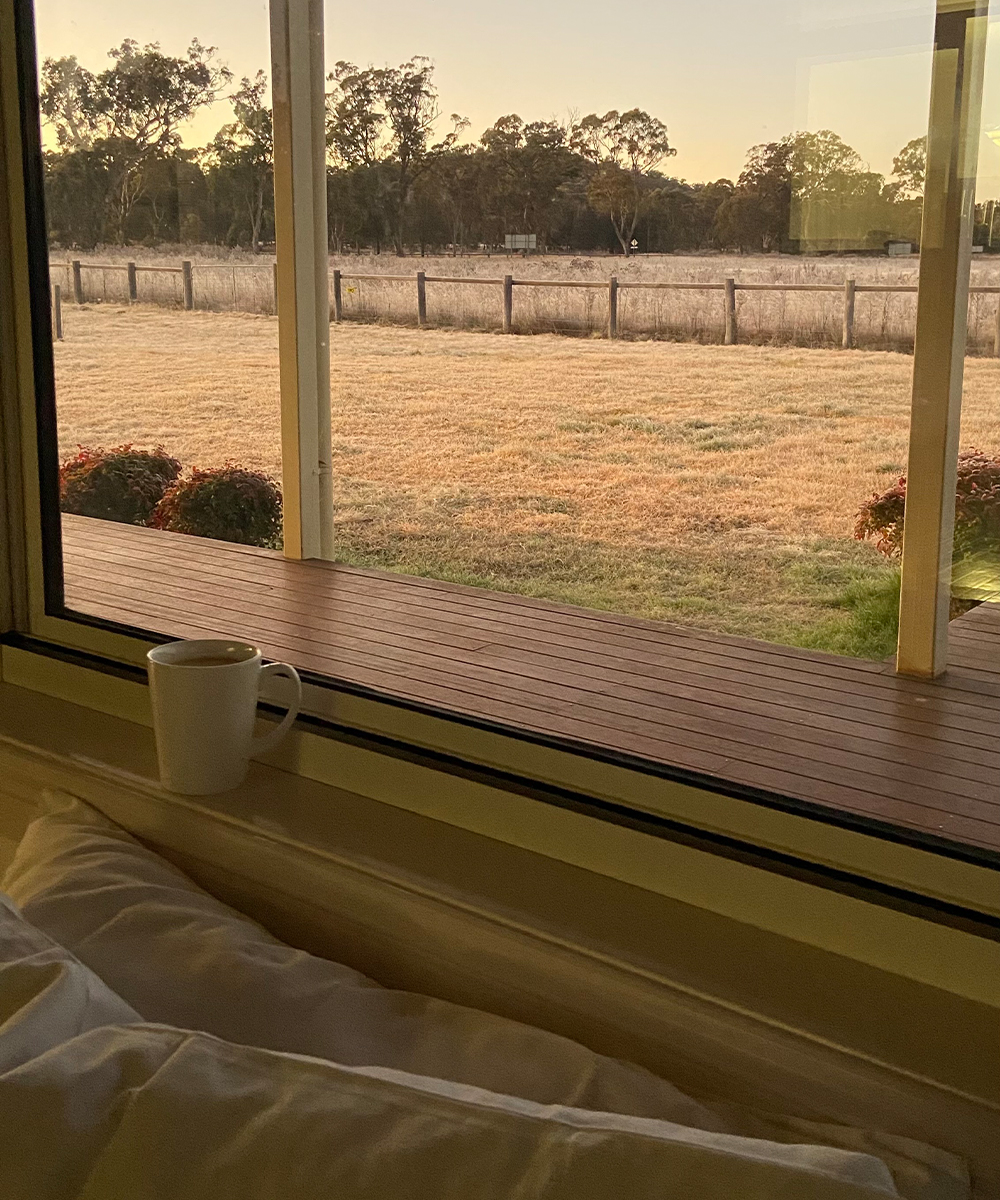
column 835, row 733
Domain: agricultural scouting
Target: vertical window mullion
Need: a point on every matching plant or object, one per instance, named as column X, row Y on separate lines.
column 940, row 343
column 13, row 584
column 298, row 98
column 29, row 466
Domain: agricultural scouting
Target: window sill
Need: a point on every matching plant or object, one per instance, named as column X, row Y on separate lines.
column 98, row 748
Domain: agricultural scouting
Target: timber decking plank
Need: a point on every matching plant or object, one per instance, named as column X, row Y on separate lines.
column 900, row 689
column 930, row 700
column 962, row 719
column 925, row 697
column 450, row 594
column 668, row 696
column 812, row 727
column 779, row 684
column 509, row 606
column 764, row 742
column 597, row 674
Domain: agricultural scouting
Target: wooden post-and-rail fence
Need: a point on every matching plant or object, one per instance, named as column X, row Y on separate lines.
column 186, row 271
column 728, row 287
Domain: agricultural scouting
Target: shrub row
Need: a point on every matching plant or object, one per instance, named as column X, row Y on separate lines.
column 234, row 504
column 977, row 510
column 976, row 554
column 148, row 487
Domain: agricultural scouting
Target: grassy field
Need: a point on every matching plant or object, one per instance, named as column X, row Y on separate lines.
column 883, row 321
column 715, row 486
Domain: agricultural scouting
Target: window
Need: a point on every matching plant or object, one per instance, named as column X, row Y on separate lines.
column 593, row 372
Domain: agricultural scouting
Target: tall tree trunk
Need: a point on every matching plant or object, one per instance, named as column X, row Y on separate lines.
column 256, row 220
column 618, row 227
column 402, row 186
column 631, row 232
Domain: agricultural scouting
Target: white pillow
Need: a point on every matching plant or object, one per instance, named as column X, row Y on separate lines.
column 46, row 995
column 151, row 1113
column 183, row 958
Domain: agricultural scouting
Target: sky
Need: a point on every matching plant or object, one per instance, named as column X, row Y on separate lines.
column 722, row 74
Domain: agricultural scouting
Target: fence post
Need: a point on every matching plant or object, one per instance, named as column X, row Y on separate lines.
column 508, row 302
column 57, row 310
column 848, row 340
column 730, row 336
column 421, row 299
column 188, row 285
column 133, row 284
column 613, row 307
column 996, row 333
column 338, row 299
column 77, row 281
column 274, row 276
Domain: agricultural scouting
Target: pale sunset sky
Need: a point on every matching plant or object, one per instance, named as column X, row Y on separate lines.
column 722, row 74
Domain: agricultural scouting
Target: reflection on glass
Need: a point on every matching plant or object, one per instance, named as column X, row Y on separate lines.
column 976, row 569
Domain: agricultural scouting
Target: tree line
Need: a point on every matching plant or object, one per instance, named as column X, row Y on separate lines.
column 119, row 174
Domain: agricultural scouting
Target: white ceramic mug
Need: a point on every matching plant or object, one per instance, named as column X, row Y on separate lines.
column 204, row 695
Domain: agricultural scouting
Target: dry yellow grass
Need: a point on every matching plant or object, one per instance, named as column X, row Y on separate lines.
column 540, row 463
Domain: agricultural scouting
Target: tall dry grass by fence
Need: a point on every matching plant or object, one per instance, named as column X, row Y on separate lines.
column 671, row 297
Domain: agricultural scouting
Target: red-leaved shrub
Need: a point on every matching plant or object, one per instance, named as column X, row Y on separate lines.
column 977, row 510
column 121, row 484
column 230, row 503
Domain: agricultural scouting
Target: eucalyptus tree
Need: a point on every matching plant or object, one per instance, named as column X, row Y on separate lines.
column 380, row 120
column 129, row 115
column 624, row 148
column 240, row 158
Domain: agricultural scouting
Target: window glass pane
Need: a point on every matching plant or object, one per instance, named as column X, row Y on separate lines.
column 160, row 213
column 682, row 423
column 976, row 574
column 658, row 473
column 632, row 338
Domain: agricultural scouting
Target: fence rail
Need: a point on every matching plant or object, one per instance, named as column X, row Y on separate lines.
column 613, row 287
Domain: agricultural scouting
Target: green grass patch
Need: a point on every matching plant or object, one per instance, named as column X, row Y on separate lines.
column 839, row 596
column 868, row 624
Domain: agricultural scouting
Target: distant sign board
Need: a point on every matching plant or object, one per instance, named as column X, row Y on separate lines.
column 896, row 248
column 520, row 241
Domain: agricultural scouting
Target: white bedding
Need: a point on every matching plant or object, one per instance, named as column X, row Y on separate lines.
column 138, row 1110
column 183, row 958
column 46, row 995
column 93, row 1111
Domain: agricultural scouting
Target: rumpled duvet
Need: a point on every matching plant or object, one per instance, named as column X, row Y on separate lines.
column 98, row 1102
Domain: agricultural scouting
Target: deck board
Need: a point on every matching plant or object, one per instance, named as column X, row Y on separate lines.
column 808, row 726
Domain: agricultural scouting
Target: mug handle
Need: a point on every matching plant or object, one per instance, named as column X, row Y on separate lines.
column 268, row 741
